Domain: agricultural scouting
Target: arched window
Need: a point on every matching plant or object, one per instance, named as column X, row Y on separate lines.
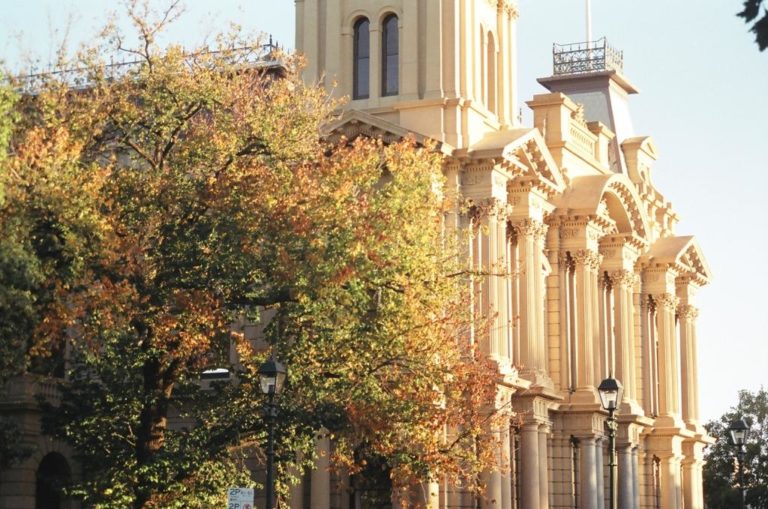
column 362, row 55
column 491, row 78
column 390, row 53
column 53, row 475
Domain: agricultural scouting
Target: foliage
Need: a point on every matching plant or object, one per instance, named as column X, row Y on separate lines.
column 719, row 476
column 166, row 205
column 19, row 277
column 750, row 13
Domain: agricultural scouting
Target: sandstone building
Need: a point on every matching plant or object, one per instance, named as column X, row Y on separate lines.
column 597, row 282
column 594, row 281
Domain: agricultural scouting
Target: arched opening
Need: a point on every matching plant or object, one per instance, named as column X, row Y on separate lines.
column 371, row 488
column 362, row 59
column 53, row 475
column 491, row 77
column 390, row 56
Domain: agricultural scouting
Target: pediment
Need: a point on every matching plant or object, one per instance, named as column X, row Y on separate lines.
column 644, row 143
column 525, row 149
column 684, row 254
column 354, row 123
column 610, row 197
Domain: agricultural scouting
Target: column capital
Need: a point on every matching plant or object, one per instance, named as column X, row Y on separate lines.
column 623, row 278
column 687, row 311
column 487, row 207
column 666, row 301
column 530, row 227
column 587, row 258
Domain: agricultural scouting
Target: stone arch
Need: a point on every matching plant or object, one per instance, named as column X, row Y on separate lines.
column 610, row 197
column 624, row 207
column 388, row 10
column 53, row 474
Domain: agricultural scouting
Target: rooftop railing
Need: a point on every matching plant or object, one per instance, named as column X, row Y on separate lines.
column 79, row 78
column 586, row 57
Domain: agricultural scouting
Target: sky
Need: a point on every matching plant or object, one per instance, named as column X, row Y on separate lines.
column 703, row 98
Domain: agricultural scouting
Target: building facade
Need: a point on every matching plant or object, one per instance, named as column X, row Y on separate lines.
column 590, row 278
column 586, row 276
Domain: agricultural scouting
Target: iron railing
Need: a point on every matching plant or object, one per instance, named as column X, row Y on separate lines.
column 79, row 77
column 586, row 57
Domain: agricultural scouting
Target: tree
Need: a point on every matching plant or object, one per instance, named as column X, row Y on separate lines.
column 168, row 202
column 719, row 469
column 751, row 12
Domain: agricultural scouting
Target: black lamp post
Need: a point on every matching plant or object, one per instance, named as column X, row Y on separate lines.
column 610, row 397
column 738, row 433
column 271, row 377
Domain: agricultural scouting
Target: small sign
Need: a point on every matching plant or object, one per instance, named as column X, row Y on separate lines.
column 240, row 498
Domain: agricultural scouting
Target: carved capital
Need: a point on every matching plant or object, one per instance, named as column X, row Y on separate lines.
column 687, row 312
column 489, row 207
column 647, row 302
column 530, row 228
column 667, row 301
column 588, row 259
column 623, row 278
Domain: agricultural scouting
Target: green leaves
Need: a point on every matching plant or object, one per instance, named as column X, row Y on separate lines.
column 152, row 214
column 720, row 480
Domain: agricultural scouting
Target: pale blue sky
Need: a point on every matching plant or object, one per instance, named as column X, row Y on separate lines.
column 704, row 99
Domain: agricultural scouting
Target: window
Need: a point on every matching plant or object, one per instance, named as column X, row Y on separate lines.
column 390, row 50
column 362, row 58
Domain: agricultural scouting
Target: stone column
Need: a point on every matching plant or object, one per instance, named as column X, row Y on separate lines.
column 587, row 332
column 530, row 494
column 320, row 488
column 543, row 468
column 635, row 479
column 689, row 364
column 488, row 260
column 530, row 236
column 669, row 360
column 427, row 496
column 600, row 472
column 587, row 474
column 671, row 483
column 506, row 467
column 626, row 484
column 623, row 282
column 693, row 482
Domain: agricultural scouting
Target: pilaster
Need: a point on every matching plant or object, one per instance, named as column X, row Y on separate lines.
column 530, row 235
column 320, row 484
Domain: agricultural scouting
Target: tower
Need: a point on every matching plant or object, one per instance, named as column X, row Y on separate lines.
column 442, row 68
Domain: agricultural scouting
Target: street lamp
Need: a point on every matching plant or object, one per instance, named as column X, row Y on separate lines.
column 738, row 433
column 271, row 378
column 610, row 397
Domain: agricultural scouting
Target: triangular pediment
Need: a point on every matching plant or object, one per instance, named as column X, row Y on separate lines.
column 525, row 149
column 644, row 143
column 354, row 123
column 684, row 254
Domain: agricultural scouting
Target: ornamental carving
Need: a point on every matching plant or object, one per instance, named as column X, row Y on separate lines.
column 530, row 228
column 489, row 207
column 565, row 260
column 667, row 301
column 507, row 6
column 624, row 278
column 588, row 259
column 647, row 303
column 687, row 312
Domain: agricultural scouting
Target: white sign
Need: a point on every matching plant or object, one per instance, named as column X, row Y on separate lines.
column 240, row 498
